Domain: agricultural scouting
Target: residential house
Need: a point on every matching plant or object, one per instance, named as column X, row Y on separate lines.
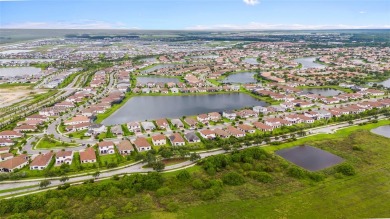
column 203, row 118
column 191, row 137
column 148, row 126
column 235, row 132
column 207, row 134
column 246, row 128
column 77, row 120
column 125, row 147
column 64, row 157
column 6, row 142
column 117, row 130
column 263, row 127
column 134, row 127
column 176, row 139
column 221, row 133
column 14, row 163
column 177, row 123
column 191, row 122
column 6, row 156
column 229, row 114
column 9, row 134
column 142, row 144
column 88, row 155
column 159, row 140
column 162, row 123
column 97, row 128
column 41, row 161
column 4, row 150
column 106, row 147
column 214, row 116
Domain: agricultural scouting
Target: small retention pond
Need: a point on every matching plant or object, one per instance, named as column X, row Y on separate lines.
column 383, row 130
column 309, row 158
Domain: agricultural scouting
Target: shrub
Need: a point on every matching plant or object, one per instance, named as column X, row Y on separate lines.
column 172, row 207
column 296, row 172
column 346, row 169
column 163, row 191
column 260, row 177
column 209, row 194
column 183, row 175
column 316, row 177
column 198, row 184
column 233, row 179
column 246, row 166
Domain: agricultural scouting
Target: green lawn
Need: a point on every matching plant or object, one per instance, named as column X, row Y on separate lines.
column 79, row 134
column 47, row 143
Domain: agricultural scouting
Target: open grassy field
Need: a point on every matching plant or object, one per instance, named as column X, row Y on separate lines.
column 47, row 143
column 363, row 195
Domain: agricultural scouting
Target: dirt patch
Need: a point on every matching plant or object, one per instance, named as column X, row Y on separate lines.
column 9, row 96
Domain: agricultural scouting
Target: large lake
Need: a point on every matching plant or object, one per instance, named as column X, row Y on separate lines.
column 9, row 52
column 23, row 61
column 308, row 62
column 144, row 80
column 142, row 108
column 156, row 67
column 322, row 91
column 252, row 61
column 19, row 71
column 240, row 78
column 310, row 158
column 383, row 130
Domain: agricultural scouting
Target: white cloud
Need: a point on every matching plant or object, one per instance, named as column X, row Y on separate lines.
column 83, row 24
column 265, row 26
column 251, row 2
column 362, row 12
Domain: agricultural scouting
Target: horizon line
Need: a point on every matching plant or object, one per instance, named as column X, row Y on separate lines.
column 135, row 29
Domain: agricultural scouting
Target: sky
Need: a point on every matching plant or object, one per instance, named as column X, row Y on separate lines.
column 195, row 14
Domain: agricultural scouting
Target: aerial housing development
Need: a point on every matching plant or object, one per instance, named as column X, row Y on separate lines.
column 85, row 107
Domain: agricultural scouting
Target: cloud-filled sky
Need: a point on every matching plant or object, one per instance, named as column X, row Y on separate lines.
column 195, row 14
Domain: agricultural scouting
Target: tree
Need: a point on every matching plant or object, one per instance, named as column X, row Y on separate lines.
column 96, row 174
column 158, row 166
column 44, row 183
column 64, row 179
column 194, row 156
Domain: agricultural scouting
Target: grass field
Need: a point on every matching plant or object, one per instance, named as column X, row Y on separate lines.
column 47, row 143
column 360, row 196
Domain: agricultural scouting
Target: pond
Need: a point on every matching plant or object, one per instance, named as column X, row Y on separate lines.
column 252, row 61
column 24, row 61
column 386, row 83
column 327, row 92
column 142, row 108
column 383, row 130
column 15, row 51
column 156, row 67
column 145, row 80
column 19, row 71
column 240, row 78
column 205, row 57
column 308, row 62
column 151, row 59
column 309, row 158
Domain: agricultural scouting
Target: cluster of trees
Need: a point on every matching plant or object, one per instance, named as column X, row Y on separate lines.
column 54, row 200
